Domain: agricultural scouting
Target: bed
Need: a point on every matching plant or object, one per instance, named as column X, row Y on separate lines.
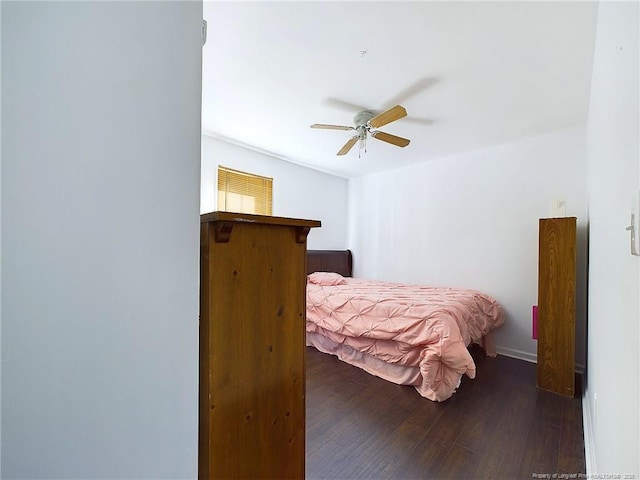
column 407, row 334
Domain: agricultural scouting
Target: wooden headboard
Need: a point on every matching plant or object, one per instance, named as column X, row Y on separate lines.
column 339, row 261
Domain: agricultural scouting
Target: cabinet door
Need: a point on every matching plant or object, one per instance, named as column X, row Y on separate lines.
column 556, row 305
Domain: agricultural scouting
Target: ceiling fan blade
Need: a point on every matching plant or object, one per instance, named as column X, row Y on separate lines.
column 388, row 116
column 331, row 127
column 346, row 106
column 347, row 146
column 412, row 90
column 387, row 137
column 420, row 121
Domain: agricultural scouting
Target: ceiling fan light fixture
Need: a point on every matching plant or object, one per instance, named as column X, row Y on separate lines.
column 362, row 144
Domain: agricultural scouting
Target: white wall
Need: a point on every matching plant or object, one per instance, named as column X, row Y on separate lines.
column 297, row 191
column 613, row 372
column 100, row 233
column 472, row 221
column 0, row 241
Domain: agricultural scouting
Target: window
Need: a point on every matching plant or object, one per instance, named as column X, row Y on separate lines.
column 243, row 192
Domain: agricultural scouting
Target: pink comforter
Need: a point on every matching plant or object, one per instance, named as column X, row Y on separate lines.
column 425, row 328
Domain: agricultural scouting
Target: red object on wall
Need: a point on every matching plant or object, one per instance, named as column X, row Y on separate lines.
column 534, row 327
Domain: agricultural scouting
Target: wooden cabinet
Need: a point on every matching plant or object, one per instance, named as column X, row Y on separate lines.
column 252, row 344
column 557, row 305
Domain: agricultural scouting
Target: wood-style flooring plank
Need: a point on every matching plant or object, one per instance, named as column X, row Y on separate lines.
column 506, row 444
column 540, row 455
column 571, row 455
column 459, row 463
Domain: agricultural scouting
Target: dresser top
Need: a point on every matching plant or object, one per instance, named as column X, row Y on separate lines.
column 257, row 219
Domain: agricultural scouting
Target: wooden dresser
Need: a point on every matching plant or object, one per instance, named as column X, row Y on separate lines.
column 252, row 344
column 557, row 305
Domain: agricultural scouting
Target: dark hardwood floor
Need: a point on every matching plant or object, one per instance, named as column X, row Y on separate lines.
column 497, row 426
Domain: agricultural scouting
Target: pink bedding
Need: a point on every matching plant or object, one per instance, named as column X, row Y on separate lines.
column 407, row 334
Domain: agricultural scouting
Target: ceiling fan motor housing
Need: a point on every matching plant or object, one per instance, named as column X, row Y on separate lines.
column 363, row 117
column 361, row 120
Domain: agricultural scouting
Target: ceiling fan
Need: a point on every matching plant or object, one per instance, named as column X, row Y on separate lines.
column 365, row 123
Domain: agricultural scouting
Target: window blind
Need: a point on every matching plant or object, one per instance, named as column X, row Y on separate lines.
column 244, row 192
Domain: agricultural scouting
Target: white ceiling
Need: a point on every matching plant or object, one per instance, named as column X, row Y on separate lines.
column 470, row 74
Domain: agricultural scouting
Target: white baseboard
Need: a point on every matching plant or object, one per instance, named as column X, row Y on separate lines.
column 520, row 355
column 528, row 357
column 589, row 446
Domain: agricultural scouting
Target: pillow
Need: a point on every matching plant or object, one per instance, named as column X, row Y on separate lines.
column 326, row 278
